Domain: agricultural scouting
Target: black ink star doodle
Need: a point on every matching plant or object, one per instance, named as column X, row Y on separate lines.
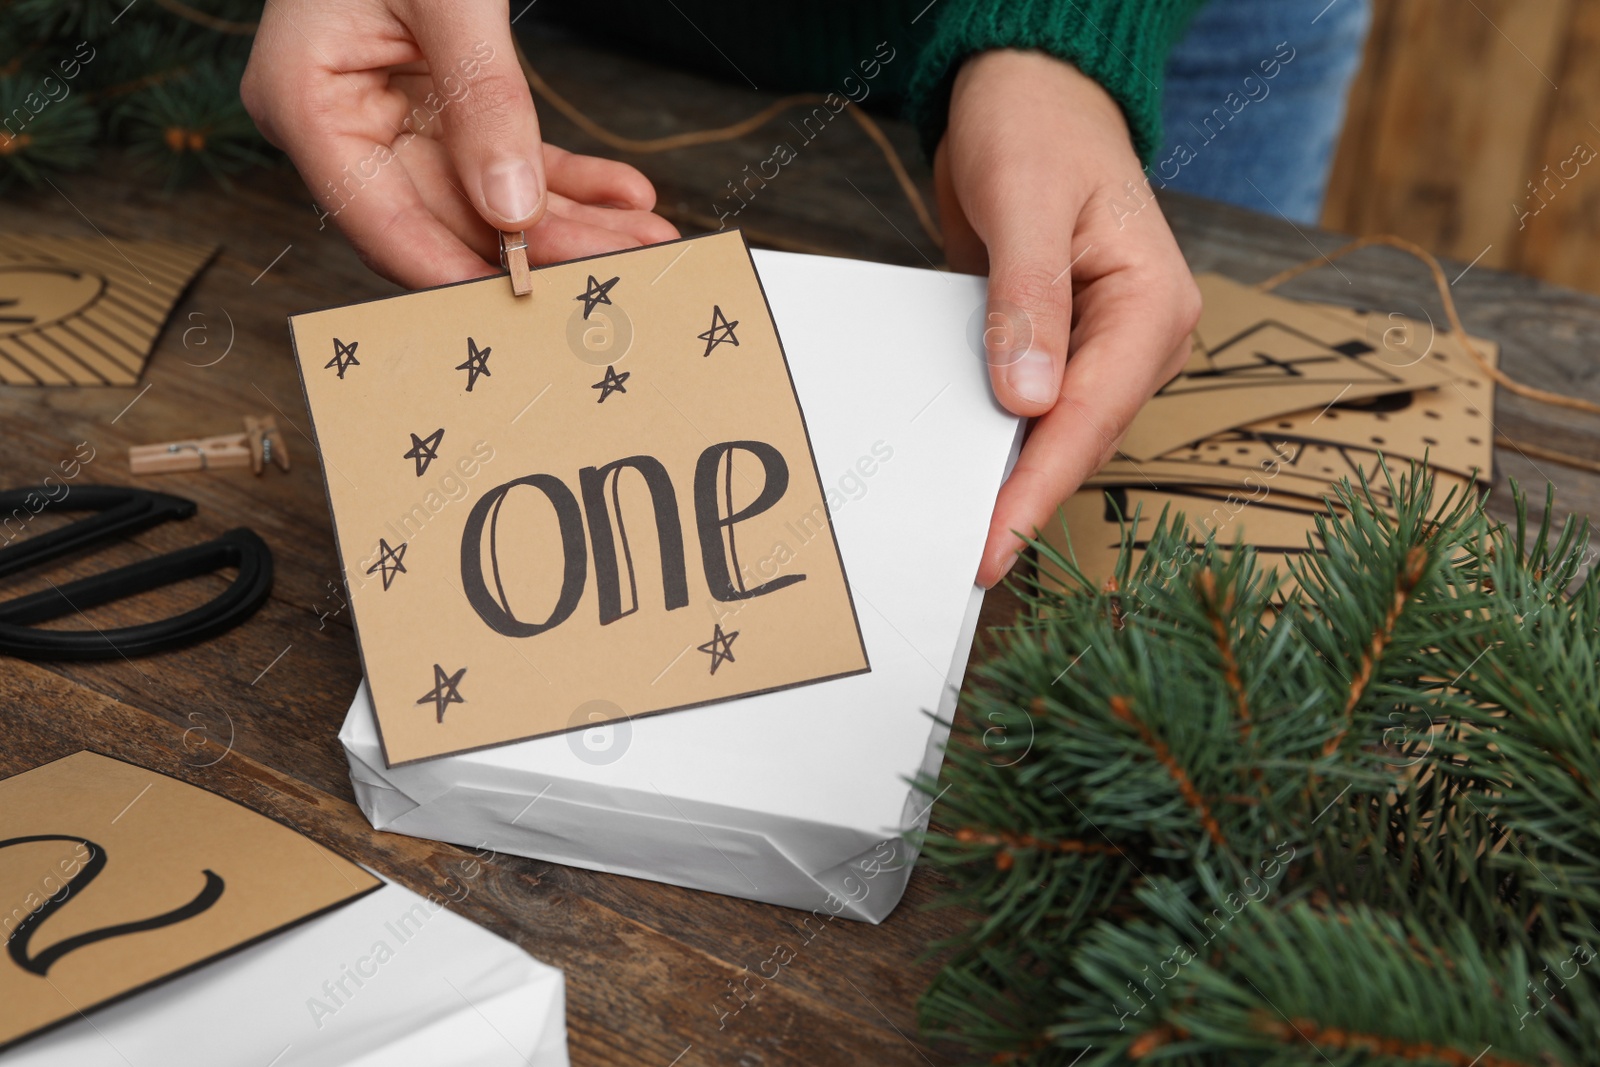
column 445, row 690
column 477, row 363
column 596, row 293
column 344, row 357
column 391, row 561
column 425, row 450
column 719, row 648
column 611, row 383
column 721, row 332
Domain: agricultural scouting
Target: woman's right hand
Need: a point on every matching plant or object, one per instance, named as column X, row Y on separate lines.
column 413, row 127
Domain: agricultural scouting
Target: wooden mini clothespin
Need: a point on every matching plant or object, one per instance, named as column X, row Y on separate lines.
column 514, row 258
column 259, row 445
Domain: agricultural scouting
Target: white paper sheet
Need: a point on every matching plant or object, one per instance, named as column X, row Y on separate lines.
column 439, row 992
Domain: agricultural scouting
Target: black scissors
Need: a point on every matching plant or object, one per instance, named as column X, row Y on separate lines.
column 123, row 512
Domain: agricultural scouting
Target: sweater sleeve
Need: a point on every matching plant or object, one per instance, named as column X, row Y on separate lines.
column 1122, row 44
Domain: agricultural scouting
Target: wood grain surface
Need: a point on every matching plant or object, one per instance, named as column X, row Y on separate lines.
column 254, row 714
column 1461, row 125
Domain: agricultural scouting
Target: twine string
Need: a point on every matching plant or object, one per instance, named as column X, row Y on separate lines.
column 733, row 132
column 1500, row 377
column 211, row 22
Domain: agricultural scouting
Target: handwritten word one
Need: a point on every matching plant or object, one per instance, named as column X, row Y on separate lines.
column 712, row 526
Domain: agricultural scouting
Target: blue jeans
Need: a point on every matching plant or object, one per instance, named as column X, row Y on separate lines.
column 1255, row 99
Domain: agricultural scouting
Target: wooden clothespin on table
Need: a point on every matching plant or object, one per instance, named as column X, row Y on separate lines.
column 514, row 258
column 260, row 444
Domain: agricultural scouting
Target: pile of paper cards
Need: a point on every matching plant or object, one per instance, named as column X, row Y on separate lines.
column 1281, row 400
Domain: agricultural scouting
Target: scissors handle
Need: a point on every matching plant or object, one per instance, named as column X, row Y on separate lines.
column 123, row 512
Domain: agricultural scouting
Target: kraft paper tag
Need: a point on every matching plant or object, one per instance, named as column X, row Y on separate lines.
column 1264, row 482
column 1256, row 355
column 1449, row 425
column 576, row 507
column 85, row 311
column 114, row 878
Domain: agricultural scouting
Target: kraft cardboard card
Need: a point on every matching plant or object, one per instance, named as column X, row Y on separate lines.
column 1258, row 463
column 1264, row 491
column 574, row 507
column 83, row 310
column 1450, row 424
column 114, row 878
column 1255, row 356
column 1279, row 528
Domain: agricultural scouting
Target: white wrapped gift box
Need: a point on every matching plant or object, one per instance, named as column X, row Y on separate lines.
column 797, row 797
column 440, row 992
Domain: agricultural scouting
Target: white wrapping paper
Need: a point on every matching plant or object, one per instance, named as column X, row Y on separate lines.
column 392, row 979
column 797, row 797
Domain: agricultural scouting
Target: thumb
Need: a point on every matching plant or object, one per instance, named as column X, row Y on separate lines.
column 490, row 128
column 1029, row 313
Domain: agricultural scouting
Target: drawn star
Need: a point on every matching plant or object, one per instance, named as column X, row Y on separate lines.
column 477, row 363
column 611, row 383
column 719, row 648
column 344, row 357
column 445, row 690
column 596, row 293
column 721, row 331
column 390, row 561
column 425, row 450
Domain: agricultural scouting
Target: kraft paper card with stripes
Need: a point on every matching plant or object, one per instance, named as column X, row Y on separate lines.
column 84, row 310
column 587, row 504
column 1450, row 425
column 1254, row 355
column 1265, row 482
column 114, row 878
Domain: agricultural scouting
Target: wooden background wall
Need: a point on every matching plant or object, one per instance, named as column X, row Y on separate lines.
column 1460, row 105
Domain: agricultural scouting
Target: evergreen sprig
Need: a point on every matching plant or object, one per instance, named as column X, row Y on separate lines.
column 155, row 78
column 1207, row 816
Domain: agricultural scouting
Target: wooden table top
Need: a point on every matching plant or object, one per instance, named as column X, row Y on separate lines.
column 254, row 714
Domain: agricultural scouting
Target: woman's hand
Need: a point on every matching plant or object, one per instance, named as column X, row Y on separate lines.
column 1090, row 301
column 413, row 127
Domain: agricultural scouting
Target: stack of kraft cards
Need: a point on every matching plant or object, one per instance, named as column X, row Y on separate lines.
column 1279, row 402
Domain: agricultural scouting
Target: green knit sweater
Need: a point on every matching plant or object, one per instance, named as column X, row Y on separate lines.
column 904, row 52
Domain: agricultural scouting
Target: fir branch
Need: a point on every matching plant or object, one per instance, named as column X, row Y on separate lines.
column 1123, row 710
column 1406, row 580
column 209, row 21
column 1010, row 843
column 55, row 136
column 1218, row 608
column 1391, row 916
column 1295, row 1031
column 144, row 81
column 167, row 87
column 192, row 124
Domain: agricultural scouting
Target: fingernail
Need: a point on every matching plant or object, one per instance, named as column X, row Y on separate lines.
column 1005, row 568
column 511, row 190
column 1033, row 377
